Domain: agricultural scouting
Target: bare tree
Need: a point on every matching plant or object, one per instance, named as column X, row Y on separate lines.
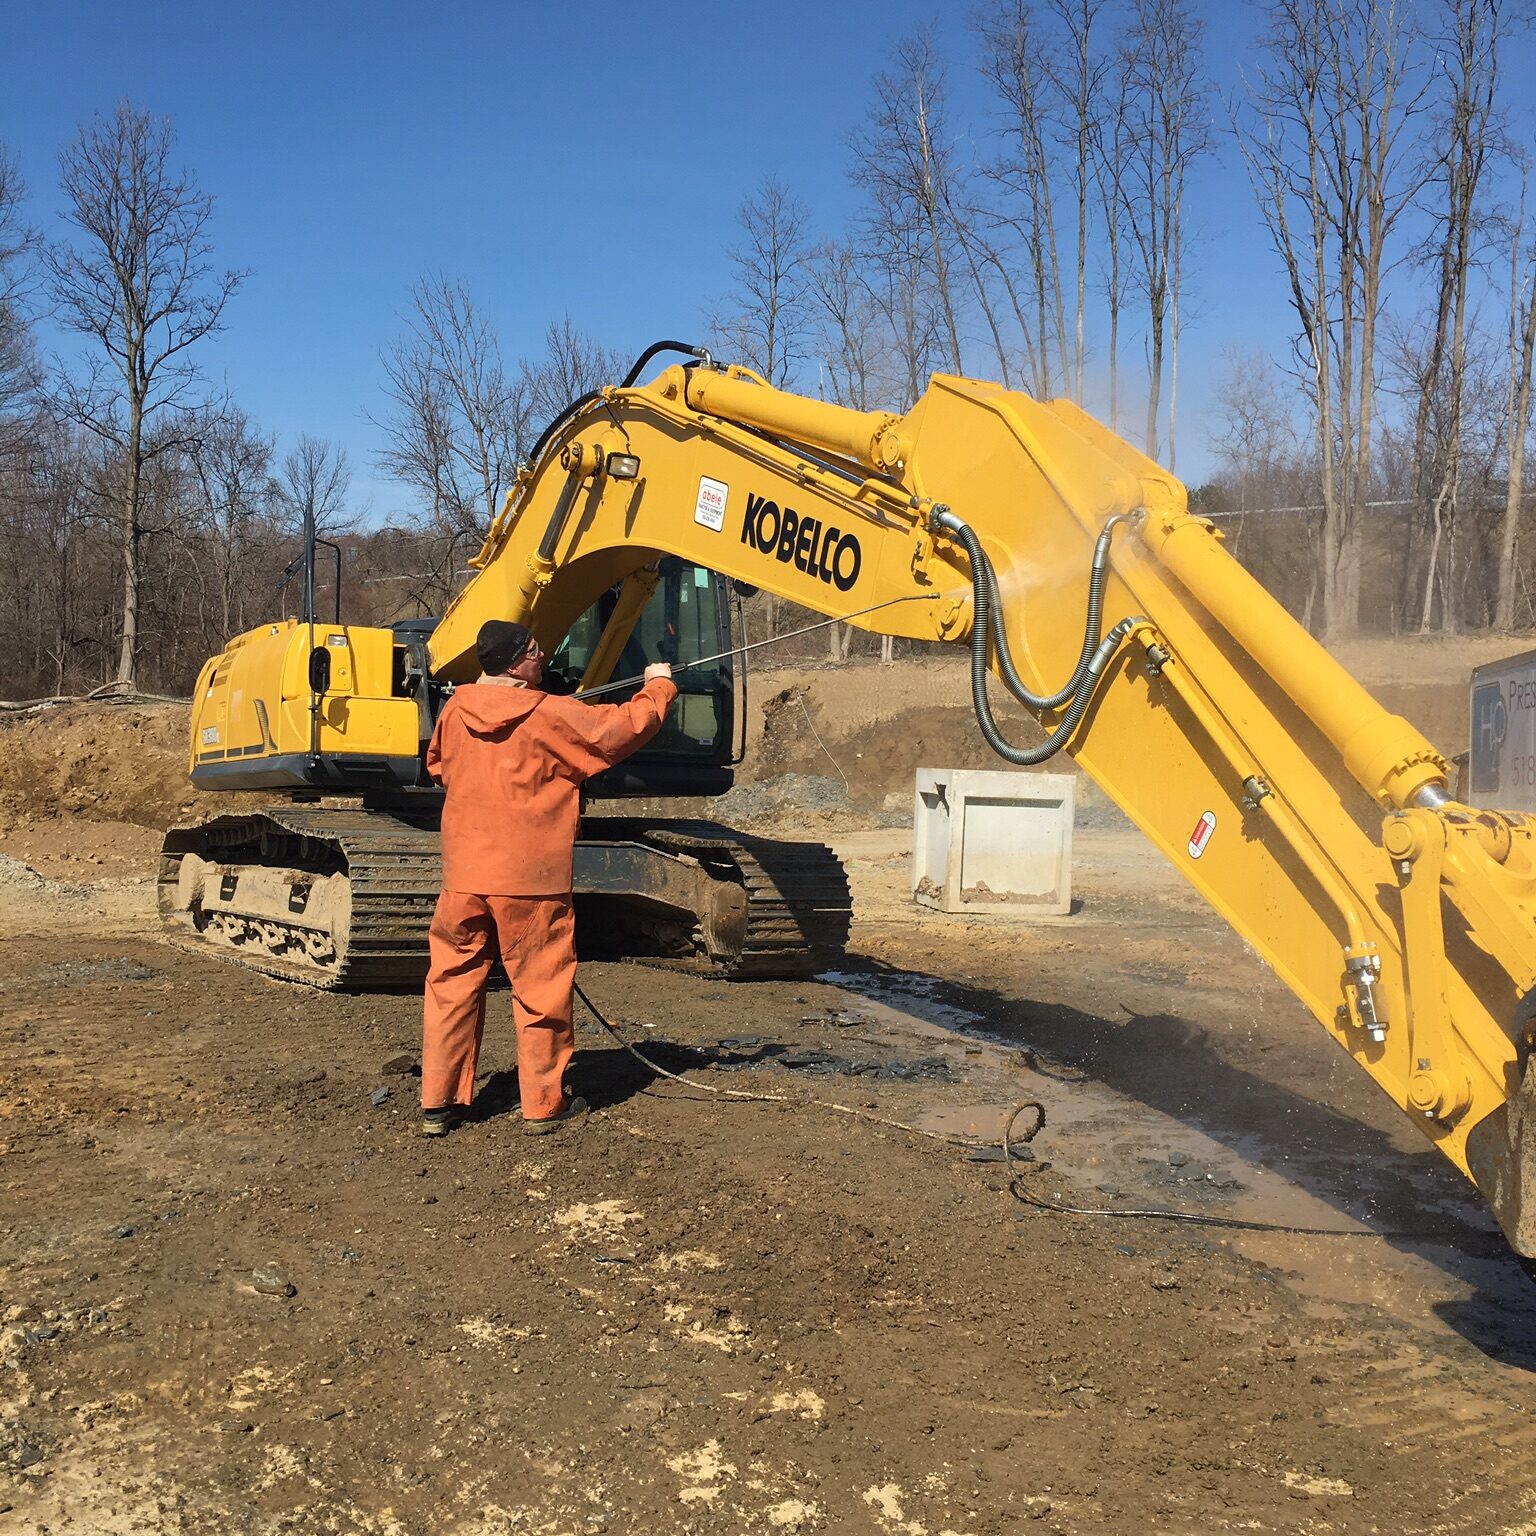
column 313, row 488
column 139, row 282
column 899, row 283
column 1111, row 148
column 315, row 483
column 847, row 323
column 16, row 238
column 1328, row 154
column 20, row 374
column 1017, row 61
column 459, row 423
column 46, row 612
column 1468, row 54
column 231, row 464
column 1256, row 434
column 1167, row 132
column 1255, row 446
column 1517, row 413
column 852, row 337
column 1079, row 77
column 905, row 162
column 772, row 281
column 573, row 365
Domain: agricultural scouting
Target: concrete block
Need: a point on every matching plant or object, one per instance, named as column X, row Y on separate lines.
column 993, row 840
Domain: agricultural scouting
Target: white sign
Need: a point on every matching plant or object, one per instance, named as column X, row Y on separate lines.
column 210, row 735
column 1200, row 838
column 710, row 507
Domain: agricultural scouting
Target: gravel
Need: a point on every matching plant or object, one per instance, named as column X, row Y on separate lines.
column 772, row 798
column 17, row 876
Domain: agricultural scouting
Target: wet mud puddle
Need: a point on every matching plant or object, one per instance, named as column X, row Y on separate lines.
column 1411, row 1242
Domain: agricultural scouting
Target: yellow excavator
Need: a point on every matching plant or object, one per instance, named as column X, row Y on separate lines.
column 1321, row 827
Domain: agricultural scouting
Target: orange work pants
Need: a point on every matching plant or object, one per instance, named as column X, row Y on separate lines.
column 536, row 939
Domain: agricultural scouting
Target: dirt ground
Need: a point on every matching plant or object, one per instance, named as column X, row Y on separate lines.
column 700, row 1314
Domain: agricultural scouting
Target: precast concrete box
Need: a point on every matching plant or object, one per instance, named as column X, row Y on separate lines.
column 991, row 840
column 1502, row 756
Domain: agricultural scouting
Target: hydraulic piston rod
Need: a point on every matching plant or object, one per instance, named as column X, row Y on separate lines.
column 1386, row 755
column 872, row 438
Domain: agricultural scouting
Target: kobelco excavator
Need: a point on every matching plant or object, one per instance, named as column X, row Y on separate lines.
column 1319, row 825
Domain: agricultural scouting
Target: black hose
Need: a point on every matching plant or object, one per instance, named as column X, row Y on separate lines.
column 578, row 404
column 651, row 351
column 987, row 631
column 583, row 401
column 1021, row 757
column 1098, row 575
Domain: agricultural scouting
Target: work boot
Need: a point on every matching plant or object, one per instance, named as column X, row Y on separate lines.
column 574, row 1109
column 438, row 1122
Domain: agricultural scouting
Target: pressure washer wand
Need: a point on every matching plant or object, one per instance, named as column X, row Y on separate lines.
column 741, row 650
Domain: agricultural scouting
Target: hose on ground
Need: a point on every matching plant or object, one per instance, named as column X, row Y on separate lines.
column 1012, row 1148
column 952, row 1138
column 1058, row 1207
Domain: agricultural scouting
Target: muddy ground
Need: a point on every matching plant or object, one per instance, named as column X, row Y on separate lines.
column 713, row 1315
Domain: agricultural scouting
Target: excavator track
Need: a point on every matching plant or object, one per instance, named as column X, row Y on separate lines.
column 343, row 898
column 798, row 905
column 381, row 874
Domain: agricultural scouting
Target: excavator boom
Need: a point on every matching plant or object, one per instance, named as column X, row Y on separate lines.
column 1317, row 823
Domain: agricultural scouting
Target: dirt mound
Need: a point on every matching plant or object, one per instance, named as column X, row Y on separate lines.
column 102, row 764
column 803, row 733
column 77, row 848
column 1432, row 659
column 876, row 723
column 800, row 801
column 16, row 875
column 98, row 762
column 847, row 698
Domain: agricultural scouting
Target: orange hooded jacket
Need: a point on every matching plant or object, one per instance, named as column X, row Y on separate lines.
column 513, row 760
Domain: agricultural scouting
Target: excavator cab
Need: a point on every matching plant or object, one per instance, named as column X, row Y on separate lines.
column 688, row 616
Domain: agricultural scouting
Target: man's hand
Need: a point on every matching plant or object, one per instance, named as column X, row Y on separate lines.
column 658, row 670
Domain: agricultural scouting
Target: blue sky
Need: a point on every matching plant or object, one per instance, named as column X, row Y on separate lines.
column 556, row 159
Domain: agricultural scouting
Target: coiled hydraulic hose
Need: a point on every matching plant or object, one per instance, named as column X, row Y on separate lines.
column 982, row 569
column 988, row 630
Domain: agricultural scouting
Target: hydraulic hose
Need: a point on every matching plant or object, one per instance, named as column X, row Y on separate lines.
column 988, row 631
column 982, row 570
column 656, row 347
column 580, row 403
column 583, row 401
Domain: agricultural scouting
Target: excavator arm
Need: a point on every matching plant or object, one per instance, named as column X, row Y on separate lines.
column 1315, row 822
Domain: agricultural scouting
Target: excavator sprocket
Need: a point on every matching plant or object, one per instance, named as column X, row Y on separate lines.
column 343, row 898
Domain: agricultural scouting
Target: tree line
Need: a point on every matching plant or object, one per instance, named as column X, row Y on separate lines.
column 145, row 517
column 1056, row 238
column 1034, row 206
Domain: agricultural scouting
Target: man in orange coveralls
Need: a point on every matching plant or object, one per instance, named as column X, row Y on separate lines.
column 512, row 759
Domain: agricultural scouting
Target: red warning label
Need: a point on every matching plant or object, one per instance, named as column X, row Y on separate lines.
column 1201, row 836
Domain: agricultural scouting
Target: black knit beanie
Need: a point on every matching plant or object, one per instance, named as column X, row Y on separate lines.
column 500, row 645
